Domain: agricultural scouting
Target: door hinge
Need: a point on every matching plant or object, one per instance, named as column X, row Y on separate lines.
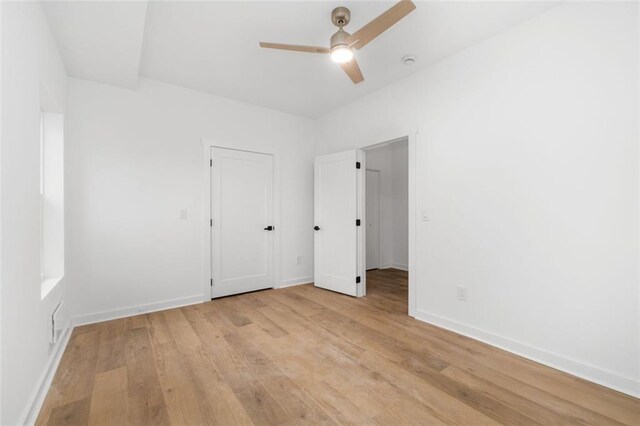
column 211, row 223
column 211, row 162
column 357, row 280
column 357, row 164
column 211, row 282
column 357, row 222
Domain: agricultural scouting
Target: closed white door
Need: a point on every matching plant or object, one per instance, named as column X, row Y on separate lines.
column 373, row 218
column 338, row 242
column 242, row 221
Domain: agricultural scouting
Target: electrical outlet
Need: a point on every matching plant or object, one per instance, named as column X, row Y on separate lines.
column 183, row 214
column 461, row 293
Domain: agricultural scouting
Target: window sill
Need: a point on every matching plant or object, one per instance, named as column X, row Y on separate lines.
column 48, row 284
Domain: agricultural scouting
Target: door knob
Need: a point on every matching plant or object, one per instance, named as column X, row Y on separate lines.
column 269, row 228
column 317, row 228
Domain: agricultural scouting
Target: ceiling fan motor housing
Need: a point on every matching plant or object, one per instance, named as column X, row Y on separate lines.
column 339, row 38
column 340, row 16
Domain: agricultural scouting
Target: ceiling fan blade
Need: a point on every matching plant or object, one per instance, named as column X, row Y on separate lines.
column 379, row 25
column 353, row 71
column 295, row 48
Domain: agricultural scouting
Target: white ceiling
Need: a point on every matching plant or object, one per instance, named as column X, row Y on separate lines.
column 213, row 46
column 99, row 41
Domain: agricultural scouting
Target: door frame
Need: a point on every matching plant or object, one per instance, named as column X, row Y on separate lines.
column 206, row 240
column 366, row 226
column 411, row 136
column 361, row 248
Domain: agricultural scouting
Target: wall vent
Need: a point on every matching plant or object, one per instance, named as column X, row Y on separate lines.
column 56, row 317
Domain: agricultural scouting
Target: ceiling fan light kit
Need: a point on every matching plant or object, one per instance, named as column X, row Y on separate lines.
column 343, row 44
column 341, row 52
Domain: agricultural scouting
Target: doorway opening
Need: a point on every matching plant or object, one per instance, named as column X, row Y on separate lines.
column 340, row 219
column 387, row 220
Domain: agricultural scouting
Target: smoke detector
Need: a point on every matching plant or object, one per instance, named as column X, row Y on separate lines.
column 408, row 59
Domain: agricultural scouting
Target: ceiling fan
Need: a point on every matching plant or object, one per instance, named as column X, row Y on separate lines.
column 343, row 44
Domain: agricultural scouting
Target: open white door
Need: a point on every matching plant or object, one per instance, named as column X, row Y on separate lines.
column 242, row 221
column 339, row 213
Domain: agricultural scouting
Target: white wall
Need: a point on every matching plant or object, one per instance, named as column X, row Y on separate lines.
column 134, row 160
column 527, row 161
column 392, row 162
column 1, row 242
column 29, row 59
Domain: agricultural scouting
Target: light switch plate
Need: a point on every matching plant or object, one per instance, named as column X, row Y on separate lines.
column 461, row 294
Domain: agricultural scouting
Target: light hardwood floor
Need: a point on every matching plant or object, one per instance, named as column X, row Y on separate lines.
column 305, row 355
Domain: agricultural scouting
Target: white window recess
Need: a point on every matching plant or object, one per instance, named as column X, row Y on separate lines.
column 51, row 193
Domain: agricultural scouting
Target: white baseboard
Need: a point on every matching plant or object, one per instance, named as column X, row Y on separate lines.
column 295, row 281
column 400, row 266
column 588, row 372
column 135, row 310
column 42, row 388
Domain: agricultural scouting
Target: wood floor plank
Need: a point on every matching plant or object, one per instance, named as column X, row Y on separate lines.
column 366, row 363
column 295, row 405
column 109, row 391
column 73, row 380
column 174, row 374
column 217, row 398
column 181, row 331
column 229, row 309
column 179, row 392
column 253, row 313
column 111, row 353
column 567, row 409
column 72, row 413
column 302, row 355
column 406, row 412
column 137, row 321
column 522, row 405
column 146, row 402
